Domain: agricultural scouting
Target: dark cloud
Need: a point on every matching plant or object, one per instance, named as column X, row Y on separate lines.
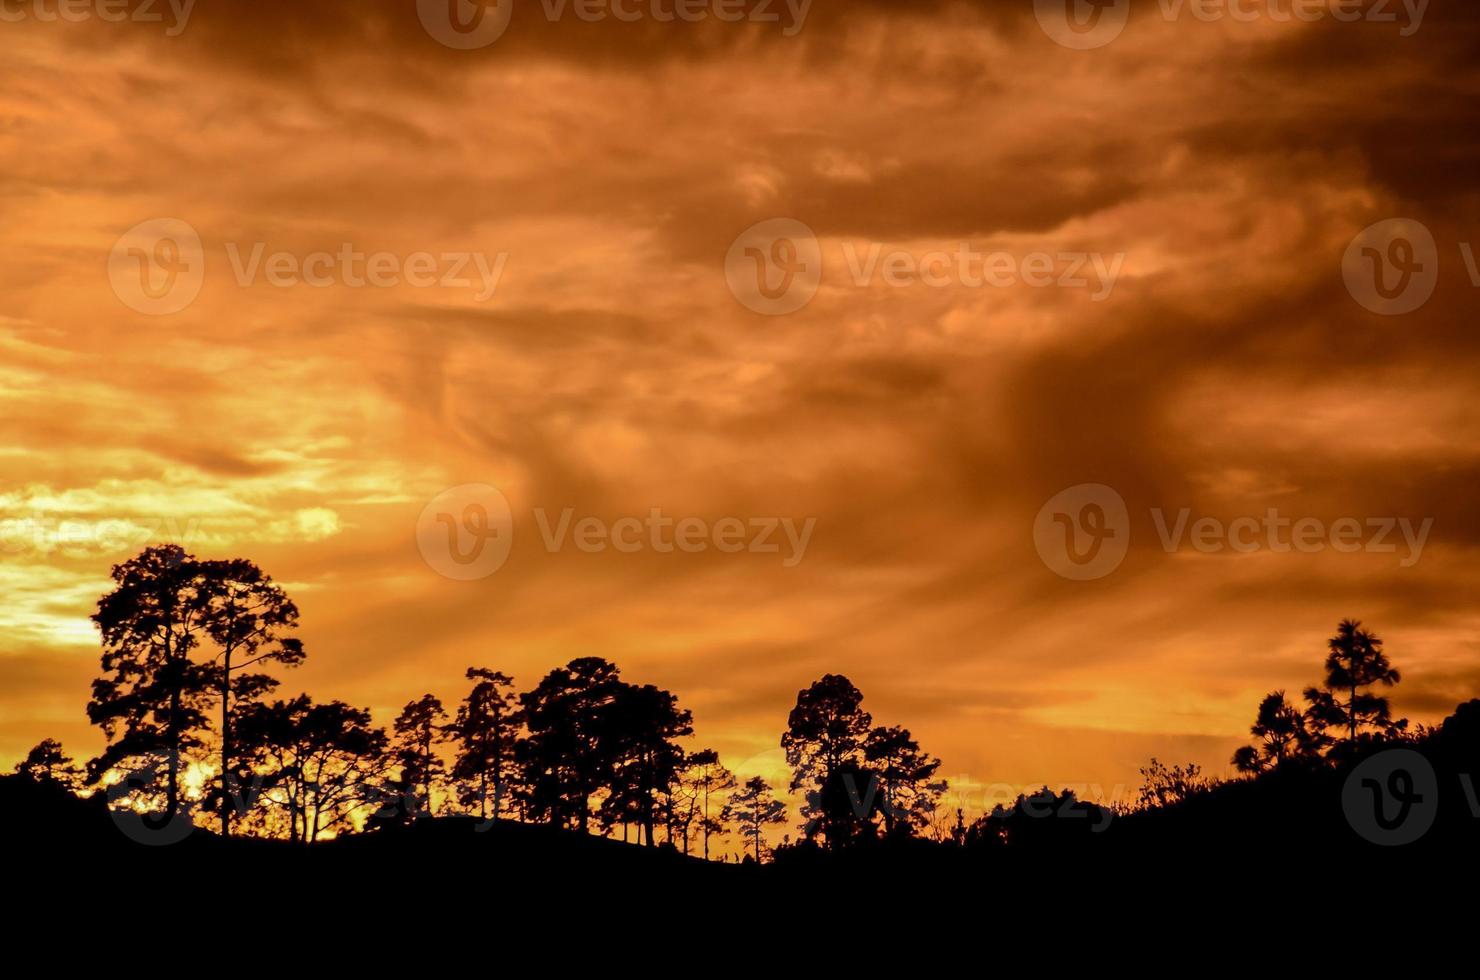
column 921, row 427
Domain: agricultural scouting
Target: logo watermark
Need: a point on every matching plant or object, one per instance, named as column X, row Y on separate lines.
column 158, row 267
column 467, row 25
column 78, row 537
column 663, row 534
column 1088, row 24
column 1084, row 532
column 1392, row 798
column 134, row 810
column 775, row 267
column 1039, row 800
column 173, row 15
column 467, row 532
column 1082, row 24
column 1392, row 267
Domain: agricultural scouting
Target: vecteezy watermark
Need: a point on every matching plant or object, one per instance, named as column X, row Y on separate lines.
column 173, row 14
column 775, row 267
column 1306, row 535
column 470, row 24
column 348, row 266
column 1392, row 267
column 965, row 265
column 1392, row 798
column 1083, row 533
column 132, row 805
column 465, row 25
column 76, row 537
column 1082, row 24
column 467, row 532
column 158, row 267
column 689, row 535
column 1086, row 24
column 1039, row 800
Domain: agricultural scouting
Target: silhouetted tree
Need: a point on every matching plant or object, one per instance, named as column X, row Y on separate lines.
column 485, row 730
column 826, row 732
column 248, row 617
column 709, row 777
column 564, row 760
column 152, row 700
column 323, row 762
column 851, row 801
column 417, row 731
column 636, row 738
column 905, row 777
column 753, row 808
column 1283, row 733
column 958, row 829
column 48, row 763
column 1163, row 785
column 679, row 809
column 1355, row 661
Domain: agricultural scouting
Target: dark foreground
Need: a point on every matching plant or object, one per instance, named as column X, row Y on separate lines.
column 1267, row 836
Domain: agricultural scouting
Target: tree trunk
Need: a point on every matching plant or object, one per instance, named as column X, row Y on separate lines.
column 172, row 805
column 426, row 772
column 172, row 799
column 226, row 788
column 645, row 789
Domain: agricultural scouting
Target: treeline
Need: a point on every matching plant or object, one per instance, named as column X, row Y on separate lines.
column 1340, row 716
column 195, row 732
column 194, row 729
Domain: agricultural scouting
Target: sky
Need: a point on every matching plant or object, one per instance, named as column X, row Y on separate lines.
column 285, row 284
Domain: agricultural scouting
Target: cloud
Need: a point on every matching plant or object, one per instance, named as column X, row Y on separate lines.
column 612, row 372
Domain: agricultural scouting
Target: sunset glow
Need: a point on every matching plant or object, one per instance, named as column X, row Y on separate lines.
column 553, row 315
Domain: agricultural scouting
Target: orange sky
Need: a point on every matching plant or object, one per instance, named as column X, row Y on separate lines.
column 612, row 371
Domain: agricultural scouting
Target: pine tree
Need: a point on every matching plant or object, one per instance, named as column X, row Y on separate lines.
column 248, row 617
column 1356, row 661
column 152, row 699
column 1284, row 734
column 637, row 730
column 905, row 776
column 418, row 729
column 824, row 741
column 485, row 729
column 710, row 778
column 753, row 809
column 323, row 763
column 565, row 759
